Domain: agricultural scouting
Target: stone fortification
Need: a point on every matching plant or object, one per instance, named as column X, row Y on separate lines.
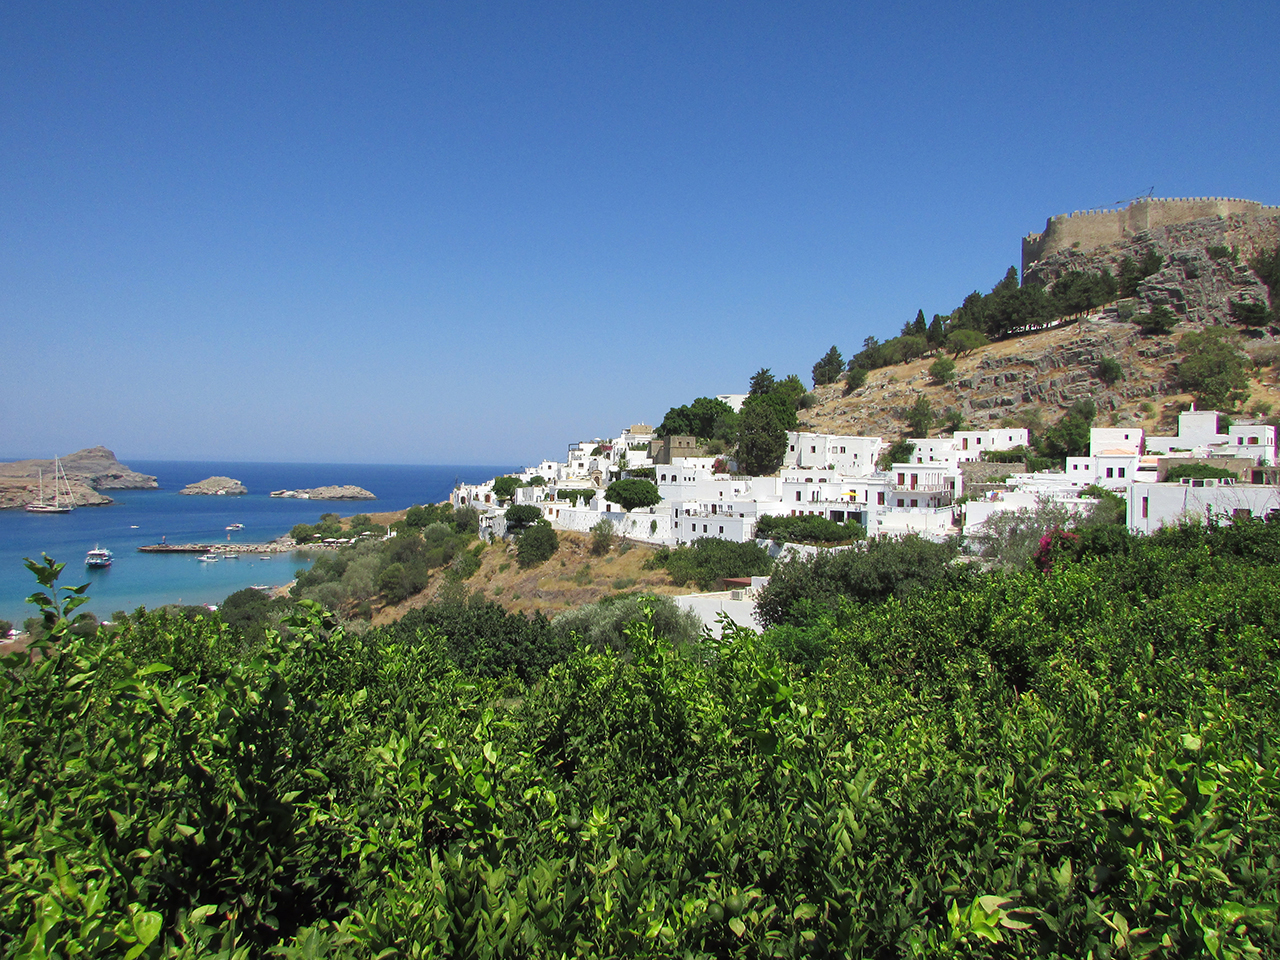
column 1086, row 230
column 1192, row 283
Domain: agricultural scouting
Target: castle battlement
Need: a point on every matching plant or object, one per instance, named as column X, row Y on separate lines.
column 1086, row 230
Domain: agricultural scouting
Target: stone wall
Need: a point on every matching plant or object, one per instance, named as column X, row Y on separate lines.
column 1086, row 230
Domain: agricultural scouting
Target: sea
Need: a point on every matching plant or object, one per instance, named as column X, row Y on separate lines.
column 140, row 517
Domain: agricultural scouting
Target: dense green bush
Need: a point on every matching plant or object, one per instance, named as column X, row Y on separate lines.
column 809, row 529
column 1197, row 471
column 633, row 493
column 603, row 626
column 1063, row 764
column 881, row 567
column 708, row 560
column 536, row 545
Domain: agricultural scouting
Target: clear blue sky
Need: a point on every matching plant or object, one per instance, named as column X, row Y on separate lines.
column 475, row 232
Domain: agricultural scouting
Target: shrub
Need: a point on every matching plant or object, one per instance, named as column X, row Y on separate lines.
column 1159, row 321
column 536, row 545
column 1212, row 370
column 942, row 370
column 1197, row 471
column 602, row 537
column 880, row 568
column 522, row 515
column 855, row 379
column 603, row 625
column 1109, row 370
column 809, row 529
column 710, row 559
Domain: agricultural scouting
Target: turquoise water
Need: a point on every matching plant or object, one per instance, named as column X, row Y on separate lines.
column 141, row 517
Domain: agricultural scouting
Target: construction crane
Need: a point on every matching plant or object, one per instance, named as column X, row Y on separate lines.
column 1141, row 196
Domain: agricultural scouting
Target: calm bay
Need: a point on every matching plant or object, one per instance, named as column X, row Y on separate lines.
column 139, row 517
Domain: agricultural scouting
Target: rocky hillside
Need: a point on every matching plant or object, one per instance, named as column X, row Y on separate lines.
column 88, row 470
column 1193, row 282
column 1042, row 374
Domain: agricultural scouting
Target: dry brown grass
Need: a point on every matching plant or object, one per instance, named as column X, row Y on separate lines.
column 571, row 578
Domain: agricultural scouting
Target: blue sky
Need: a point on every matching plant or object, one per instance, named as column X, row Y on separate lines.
column 473, row 233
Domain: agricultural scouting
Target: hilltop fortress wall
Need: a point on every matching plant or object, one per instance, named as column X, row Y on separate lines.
column 1087, row 230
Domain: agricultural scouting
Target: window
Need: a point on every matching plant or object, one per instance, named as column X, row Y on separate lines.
column 902, row 478
column 1145, row 502
column 797, row 496
column 880, row 498
column 704, row 528
column 964, row 444
column 915, row 478
column 1122, row 471
column 1110, row 473
column 813, row 449
column 842, row 449
column 664, row 477
column 722, row 529
column 978, row 441
column 900, row 503
column 915, row 503
column 1253, row 441
column 793, row 448
column 1075, row 466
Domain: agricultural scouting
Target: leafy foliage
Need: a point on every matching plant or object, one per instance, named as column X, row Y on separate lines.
column 762, row 440
column 521, row 515
column 1212, row 369
column 708, row 560
column 1197, row 471
column 536, row 545
column 1109, row 370
column 1057, row 764
column 879, row 568
column 942, row 370
column 632, row 493
column 706, row 418
column 828, row 369
column 809, row 529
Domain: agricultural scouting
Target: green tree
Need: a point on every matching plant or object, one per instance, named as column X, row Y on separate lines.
column 522, row 515
column 1212, row 369
column 942, row 370
column 1109, row 370
column 964, row 341
column 762, row 441
column 504, row 488
column 538, row 544
column 632, row 493
column 855, row 379
column 1159, row 321
column 920, row 416
column 762, row 382
column 899, row 451
column 936, row 332
column 1250, row 314
column 918, row 327
column 1069, row 437
column 828, row 368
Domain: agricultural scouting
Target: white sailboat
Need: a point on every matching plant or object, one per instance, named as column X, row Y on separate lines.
column 63, row 501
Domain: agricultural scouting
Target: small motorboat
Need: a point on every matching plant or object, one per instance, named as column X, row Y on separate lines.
column 98, row 557
column 208, row 558
column 235, row 526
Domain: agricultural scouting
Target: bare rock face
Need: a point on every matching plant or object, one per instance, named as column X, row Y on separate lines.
column 215, row 486
column 18, row 492
column 99, row 468
column 347, row 492
column 88, row 471
column 1193, row 284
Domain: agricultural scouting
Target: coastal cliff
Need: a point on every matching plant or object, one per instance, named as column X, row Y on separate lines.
column 88, row 471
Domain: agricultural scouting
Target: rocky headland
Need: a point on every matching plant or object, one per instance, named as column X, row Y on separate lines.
column 347, row 492
column 88, row 471
column 215, row 487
